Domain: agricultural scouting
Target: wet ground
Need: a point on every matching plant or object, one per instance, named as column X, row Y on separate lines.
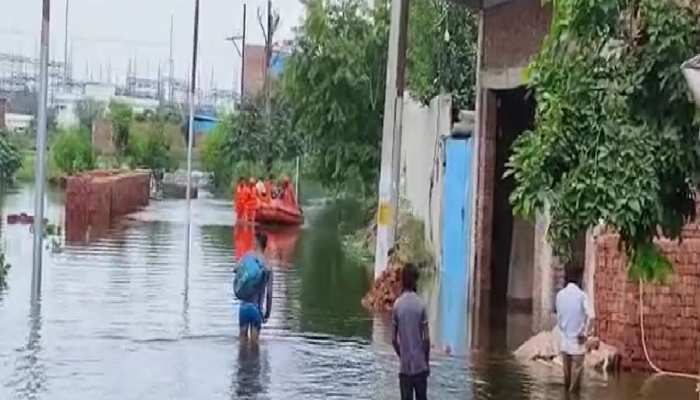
column 124, row 317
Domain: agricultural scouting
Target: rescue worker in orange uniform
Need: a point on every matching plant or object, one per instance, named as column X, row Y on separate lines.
column 251, row 201
column 288, row 196
column 239, row 198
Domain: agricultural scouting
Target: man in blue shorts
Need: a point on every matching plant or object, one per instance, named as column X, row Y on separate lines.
column 250, row 315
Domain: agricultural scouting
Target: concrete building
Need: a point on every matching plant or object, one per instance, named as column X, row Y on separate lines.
column 18, row 123
column 512, row 264
column 254, row 74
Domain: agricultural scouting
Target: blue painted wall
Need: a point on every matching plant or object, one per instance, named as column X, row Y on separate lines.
column 456, row 223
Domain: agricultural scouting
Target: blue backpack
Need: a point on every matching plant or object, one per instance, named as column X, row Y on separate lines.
column 249, row 277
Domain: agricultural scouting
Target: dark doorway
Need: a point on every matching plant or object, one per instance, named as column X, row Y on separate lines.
column 515, row 115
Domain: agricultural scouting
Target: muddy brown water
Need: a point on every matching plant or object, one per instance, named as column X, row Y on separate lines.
column 124, row 317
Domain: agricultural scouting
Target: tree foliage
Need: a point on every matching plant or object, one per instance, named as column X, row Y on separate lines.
column 122, row 116
column 10, row 158
column 442, row 45
column 334, row 82
column 72, row 151
column 151, row 149
column 616, row 140
column 248, row 142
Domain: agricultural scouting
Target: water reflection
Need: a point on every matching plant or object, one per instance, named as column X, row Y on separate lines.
column 122, row 318
column 252, row 372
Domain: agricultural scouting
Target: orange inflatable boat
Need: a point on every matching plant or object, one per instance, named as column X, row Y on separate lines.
column 277, row 212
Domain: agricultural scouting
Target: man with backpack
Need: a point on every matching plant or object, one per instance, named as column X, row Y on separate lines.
column 253, row 284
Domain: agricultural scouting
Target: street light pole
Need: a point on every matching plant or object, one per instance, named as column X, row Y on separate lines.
column 66, row 74
column 40, row 176
column 190, row 133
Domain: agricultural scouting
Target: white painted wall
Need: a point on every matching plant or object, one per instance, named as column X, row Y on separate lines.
column 422, row 163
column 18, row 123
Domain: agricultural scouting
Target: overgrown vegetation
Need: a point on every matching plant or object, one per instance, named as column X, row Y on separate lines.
column 334, row 82
column 616, row 141
column 247, row 144
column 151, row 148
column 442, row 44
column 10, row 158
column 122, row 117
column 4, row 269
column 72, row 151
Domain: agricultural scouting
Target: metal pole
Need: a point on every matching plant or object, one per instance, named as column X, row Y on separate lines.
column 268, row 60
column 245, row 11
column 171, row 81
column 190, row 133
column 387, row 212
column 65, row 48
column 40, row 177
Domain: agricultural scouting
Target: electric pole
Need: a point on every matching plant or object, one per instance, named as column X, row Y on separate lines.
column 390, row 175
column 40, row 177
column 66, row 74
column 190, row 133
column 268, row 60
column 171, row 77
column 241, row 53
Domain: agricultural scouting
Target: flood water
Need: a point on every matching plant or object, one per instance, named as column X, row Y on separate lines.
column 124, row 317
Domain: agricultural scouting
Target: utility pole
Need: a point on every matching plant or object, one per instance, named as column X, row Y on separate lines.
column 387, row 212
column 268, row 61
column 245, row 20
column 171, row 77
column 190, row 133
column 66, row 74
column 241, row 53
column 40, row 177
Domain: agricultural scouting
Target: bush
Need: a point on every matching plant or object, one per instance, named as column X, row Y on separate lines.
column 215, row 159
column 10, row 158
column 72, row 152
column 150, row 148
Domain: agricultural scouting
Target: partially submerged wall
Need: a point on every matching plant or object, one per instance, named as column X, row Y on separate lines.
column 422, row 163
column 93, row 199
column 671, row 312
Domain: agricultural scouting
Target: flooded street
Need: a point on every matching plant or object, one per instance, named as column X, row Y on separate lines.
column 124, row 317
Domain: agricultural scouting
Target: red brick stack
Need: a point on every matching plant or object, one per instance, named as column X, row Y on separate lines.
column 93, row 199
column 671, row 312
column 385, row 290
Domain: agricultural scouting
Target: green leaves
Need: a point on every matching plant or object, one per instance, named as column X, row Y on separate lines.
column 616, row 141
column 10, row 158
column 436, row 65
column 72, row 152
column 334, row 83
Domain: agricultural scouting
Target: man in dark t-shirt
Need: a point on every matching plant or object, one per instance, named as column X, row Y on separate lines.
column 411, row 338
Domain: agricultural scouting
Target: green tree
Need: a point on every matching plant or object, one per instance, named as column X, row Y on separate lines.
column 10, row 158
column 442, row 44
column 72, row 151
column 122, row 117
column 616, row 141
column 334, row 83
column 151, row 149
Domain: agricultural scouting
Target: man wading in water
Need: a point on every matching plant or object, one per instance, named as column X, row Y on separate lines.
column 411, row 339
column 252, row 284
column 573, row 319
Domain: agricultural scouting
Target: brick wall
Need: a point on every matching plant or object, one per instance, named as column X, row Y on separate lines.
column 254, row 78
column 513, row 32
column 93, row 199
column 671, row 312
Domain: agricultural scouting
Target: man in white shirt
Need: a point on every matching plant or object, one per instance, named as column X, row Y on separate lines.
column 574, row 315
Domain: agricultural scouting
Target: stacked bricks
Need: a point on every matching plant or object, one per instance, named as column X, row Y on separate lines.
column 671, row 311
column 386, row 289
column 93, row 199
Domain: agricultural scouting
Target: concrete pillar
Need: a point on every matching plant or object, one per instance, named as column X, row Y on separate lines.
column 521, row 268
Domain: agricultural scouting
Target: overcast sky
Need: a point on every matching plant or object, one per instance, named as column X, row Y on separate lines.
column 104, row 32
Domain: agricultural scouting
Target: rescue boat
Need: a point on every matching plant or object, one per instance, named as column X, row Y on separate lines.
column 277, row 212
